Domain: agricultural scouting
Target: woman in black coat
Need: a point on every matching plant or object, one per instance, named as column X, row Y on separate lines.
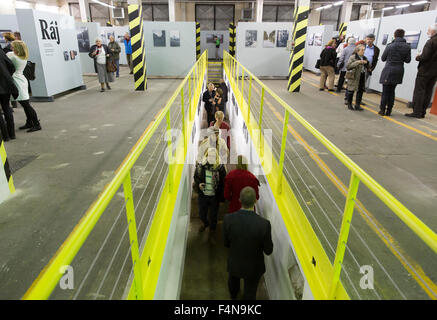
column 327, row 65
column 396, row 54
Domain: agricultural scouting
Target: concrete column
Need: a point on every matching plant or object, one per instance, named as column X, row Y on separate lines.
column 433, row 5
column 83, row 10
column 259, row 10
column 171, row 11
column 346, row 11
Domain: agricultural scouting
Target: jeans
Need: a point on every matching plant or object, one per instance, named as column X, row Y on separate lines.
column 210, row 203
column 250, row 287
column 387, row 97
column 8, row 129
column 117, row 63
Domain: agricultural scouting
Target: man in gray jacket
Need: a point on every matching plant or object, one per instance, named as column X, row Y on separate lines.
column 342, row 62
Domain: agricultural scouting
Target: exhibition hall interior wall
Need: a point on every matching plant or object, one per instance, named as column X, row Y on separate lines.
column 207, row 42
column 317, row 38
column 52, row 42
column 118, row 33
column 415, row 26
column 170, row 47
column 87, row 32
column 262, row 47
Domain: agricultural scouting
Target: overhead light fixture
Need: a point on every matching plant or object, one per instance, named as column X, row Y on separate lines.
column 324, row 7
column 387, row 8
column 403, row 6
column 338, row 3
column 103, row 4
column 418, row 3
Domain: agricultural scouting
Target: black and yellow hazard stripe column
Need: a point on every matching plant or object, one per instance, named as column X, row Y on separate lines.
column 299, row 38
column 232, row 39
column 197, row 40
column 343, row 29
column 6, row 167
column 138, row 48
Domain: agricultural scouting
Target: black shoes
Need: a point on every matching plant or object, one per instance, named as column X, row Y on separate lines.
column 381, row 113
column 36, row 126
column 102, row 90
column 349, row 106
column 131, row 72
column 320, row 89
column 107, row 86
column 388, row 113
column 202, row 228
column 332, row 90
column 28, row 125
column 414, row 115
column 357, row 107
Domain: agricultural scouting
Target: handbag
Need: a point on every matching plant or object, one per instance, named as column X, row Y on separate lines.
column 29, row 70
column 318, row 64
column 111, row 66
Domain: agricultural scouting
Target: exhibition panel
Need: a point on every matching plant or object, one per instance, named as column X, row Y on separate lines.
column 262, row 47
column 52, row 42
column 170, row 47
column 317, row 37
column 118, row 32
column 87, row 32
column 207, row 42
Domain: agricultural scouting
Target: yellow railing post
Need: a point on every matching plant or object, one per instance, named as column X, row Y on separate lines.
column 183, row 121
column 260, row 121
column 344, row 233
column 281, row 158
column 189, row 98
column 133, row 237
column 170, row 152
column 248, row 103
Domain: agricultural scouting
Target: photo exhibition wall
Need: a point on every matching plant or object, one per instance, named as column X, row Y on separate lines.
column 317, row 37
column 86, row 32
column 262, row 47
column 52, row 42
column 170, row 47
column 207, row 42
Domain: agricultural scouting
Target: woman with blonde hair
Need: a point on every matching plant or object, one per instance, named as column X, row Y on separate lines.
column 327, row 65
column 19, row 57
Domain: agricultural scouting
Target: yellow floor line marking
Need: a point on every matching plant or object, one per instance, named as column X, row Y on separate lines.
column 388, row 118
column 409, row 264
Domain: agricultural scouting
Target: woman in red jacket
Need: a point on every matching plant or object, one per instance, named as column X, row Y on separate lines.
column 235, row 181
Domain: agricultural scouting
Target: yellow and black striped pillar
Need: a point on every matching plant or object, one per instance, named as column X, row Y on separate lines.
column 299, row 37
column 197, row 40
column 6, row 167
column 232, row 38
column 138, row 48
column 343, row 29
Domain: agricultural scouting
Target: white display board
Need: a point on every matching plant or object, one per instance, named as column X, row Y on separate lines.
column 52, row 42
column 170, row 47
column 269, row 57
column 416, row 26
column 206, row 42
column 359, row 29
column 317, row 38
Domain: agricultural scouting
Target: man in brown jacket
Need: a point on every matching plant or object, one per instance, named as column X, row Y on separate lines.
column 426, row 75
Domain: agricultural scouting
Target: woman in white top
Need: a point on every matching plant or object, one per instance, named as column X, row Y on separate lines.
column 100, row 53
column 19, row 57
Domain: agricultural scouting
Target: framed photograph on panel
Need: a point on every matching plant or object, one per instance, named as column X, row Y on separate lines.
column 158, row 38
column 412, row 38
column 384, row 39
column 251, row 38
column 269, row 39
column 311, row 39
column 318, row 39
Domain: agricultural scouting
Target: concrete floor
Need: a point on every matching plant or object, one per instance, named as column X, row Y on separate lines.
column 399, row 153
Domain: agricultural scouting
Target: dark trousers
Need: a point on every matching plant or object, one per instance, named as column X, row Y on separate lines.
column 211, row 204
column 422, row 93
column 117, row 63
column 341, row 80
column 7, row 129
column 359, row 96
column 250, row 287
column 31, row 116
column 387, row 97
column 129, row 61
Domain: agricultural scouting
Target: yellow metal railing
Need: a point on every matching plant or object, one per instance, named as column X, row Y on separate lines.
column 145, row 274
column 236, row 73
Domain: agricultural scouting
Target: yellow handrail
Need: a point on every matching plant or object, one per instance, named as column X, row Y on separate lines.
column 47, row 280
column 428, row 236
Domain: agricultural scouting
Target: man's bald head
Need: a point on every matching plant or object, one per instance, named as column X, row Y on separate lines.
column 247, row 198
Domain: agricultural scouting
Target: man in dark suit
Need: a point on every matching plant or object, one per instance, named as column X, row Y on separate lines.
column 426, row 75
column 248, row 236
column 7, row 88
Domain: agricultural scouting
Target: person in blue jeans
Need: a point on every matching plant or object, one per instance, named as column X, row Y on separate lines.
column 128, row 50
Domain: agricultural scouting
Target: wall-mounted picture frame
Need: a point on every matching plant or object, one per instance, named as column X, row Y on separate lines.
column 269, row 38
column 281, row 38
column 413, row 37
column 158, row 38
column 311, row 39
column 384, row 39
column 175, row 38
column 318, row 39
column 251, row 39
